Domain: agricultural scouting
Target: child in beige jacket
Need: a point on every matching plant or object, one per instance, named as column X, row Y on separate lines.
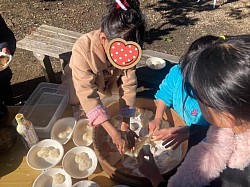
column 91, row 77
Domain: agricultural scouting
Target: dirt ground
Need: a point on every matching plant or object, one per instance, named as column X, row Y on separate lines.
column 171, row 26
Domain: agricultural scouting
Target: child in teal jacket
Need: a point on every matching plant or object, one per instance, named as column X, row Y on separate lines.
column 173, row 94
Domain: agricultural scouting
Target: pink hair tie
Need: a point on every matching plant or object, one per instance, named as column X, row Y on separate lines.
column 120, row 5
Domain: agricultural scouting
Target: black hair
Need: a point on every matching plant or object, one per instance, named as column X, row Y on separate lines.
column 126, row 24
column 197, row 45
column 219, row 76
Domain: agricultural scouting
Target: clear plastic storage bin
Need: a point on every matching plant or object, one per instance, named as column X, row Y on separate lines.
column 45, row 105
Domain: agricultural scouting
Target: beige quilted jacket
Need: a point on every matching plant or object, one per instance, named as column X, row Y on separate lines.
column 90, row 76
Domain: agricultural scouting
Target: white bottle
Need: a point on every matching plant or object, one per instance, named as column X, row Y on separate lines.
column 26, row 130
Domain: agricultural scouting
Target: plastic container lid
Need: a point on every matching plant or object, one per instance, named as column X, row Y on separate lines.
column 45, row 105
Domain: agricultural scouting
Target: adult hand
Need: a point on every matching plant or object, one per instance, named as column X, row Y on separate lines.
column 154, row 125
column 149, row 168
column 172, row 136
column 6, row 50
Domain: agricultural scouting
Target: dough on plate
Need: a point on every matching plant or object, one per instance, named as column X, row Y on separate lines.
column 54, row 153
column 58, row 178
column 68, row 129
column 87, row 136
column 80, row 157
column 43, row 152
column 85, row 165
column 83, row 161
column 65, row 132
column 48, row 152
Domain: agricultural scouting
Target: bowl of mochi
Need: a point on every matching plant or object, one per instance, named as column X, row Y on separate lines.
column 45, row 154
column 155, row 63
column 86, row 183
column 53, row 177
column 80, row 162
column 83, row 133
column 62, row 130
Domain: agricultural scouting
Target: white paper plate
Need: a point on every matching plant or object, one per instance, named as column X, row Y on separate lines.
column 38, row 163
column 82, row 126
column 72, row 168
column 7, row 64
column 86, row 183
column 155, row 63
column 45, row 179
column 60, row 126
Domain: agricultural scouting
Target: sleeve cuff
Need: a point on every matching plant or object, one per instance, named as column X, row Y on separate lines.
column 127, row 112
column 98, row 115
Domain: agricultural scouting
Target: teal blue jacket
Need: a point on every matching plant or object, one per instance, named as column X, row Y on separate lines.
column 173, row 94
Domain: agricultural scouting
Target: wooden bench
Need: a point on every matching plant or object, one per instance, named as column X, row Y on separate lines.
column 47, row 41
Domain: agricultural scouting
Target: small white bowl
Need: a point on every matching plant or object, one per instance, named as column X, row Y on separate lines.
column 155, row 63
column 86, row 183
column 82, row 127
column 72, row 168
column 5, row 65
column 45, row 179
column 38, row 163
column 60, row 126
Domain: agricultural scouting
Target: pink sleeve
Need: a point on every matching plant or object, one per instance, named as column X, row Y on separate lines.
column 98, row 115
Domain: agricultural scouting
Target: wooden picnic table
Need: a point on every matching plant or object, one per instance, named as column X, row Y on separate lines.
column 15, row 172
column 48, row 41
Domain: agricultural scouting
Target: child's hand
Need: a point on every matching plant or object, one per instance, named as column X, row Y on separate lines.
column 6, row 50
column 154, row 125
column 119, row 142
column 172, row 136
column 130, row 137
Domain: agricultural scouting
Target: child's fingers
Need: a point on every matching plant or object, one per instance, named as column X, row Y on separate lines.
column 156, row 138
column 157, row 135
column 158, row 132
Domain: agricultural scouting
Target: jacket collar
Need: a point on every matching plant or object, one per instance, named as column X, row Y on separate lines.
column 97, row 53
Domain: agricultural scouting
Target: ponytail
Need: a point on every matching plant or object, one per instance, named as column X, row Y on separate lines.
column 124, row 21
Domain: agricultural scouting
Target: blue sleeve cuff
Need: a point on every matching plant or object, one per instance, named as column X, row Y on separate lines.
column 127, row 112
